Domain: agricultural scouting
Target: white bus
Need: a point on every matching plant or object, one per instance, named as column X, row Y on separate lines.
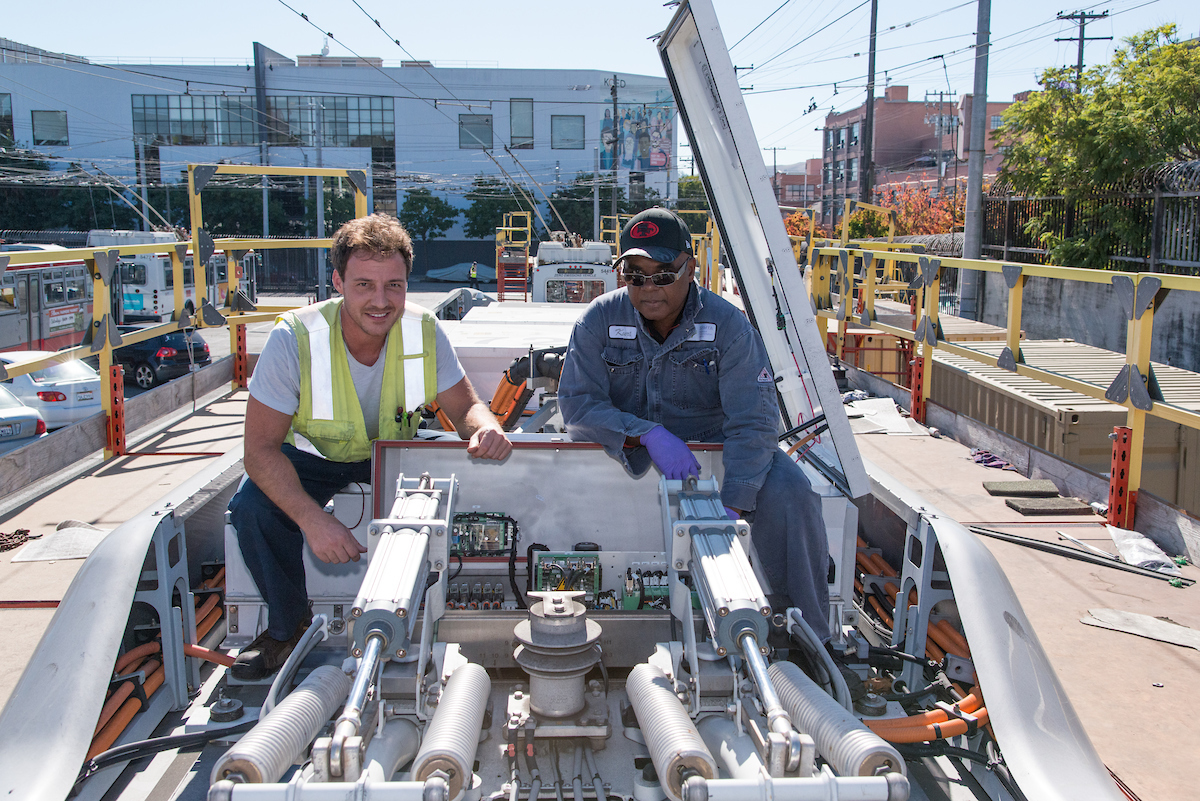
column 564, row 274
column 147, row 280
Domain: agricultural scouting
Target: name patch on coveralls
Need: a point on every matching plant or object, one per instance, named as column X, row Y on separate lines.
column 622, row 332
column 705, row 332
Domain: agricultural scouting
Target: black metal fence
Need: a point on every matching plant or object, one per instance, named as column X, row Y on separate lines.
column 1153, row 222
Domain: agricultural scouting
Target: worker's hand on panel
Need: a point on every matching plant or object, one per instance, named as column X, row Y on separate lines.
column 670, row 454
column 332, row 542
column 489, row 443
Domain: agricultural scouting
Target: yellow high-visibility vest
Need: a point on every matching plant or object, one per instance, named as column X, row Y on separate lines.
column 329, row 420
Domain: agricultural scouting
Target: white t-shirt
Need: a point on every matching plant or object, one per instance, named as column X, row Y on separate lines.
column 276, row 379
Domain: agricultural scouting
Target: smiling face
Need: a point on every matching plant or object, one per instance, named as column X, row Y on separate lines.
column 374, row 290
column 660, row 305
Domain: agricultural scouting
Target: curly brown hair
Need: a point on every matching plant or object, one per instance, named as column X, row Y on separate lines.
column 378, row 236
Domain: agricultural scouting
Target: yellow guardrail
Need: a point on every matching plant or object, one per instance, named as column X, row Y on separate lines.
column 1142, row 294
column 101, row 262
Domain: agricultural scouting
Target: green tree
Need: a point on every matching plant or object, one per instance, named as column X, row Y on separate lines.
column 490, row 200
column 691, row 194
column 1141, row 109
column 339, row 209
column 237, row 211
column 574, row 202
column 425, row 215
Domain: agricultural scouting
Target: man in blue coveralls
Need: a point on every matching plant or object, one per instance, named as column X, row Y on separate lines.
column 662, row 362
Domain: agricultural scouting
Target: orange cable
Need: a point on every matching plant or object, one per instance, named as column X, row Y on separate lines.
column 112, row 730
column 924, row 733
column 207, row 655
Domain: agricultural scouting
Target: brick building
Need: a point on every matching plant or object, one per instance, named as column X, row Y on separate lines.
column 798, row 185
column 910, row 147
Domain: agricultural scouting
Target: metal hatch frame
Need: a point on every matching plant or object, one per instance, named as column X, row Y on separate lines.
column 726, row 151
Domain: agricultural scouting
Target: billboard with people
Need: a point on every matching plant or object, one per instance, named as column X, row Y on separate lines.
column 641, row 137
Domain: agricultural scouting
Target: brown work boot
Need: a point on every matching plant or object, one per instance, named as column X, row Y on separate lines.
column 265, row 655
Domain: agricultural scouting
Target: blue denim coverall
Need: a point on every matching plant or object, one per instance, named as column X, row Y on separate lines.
column 709, row 381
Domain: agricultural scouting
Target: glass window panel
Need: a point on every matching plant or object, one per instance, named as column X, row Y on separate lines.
column 566, row 132
column 50, row 128
column 475, row 131
column 520, row 114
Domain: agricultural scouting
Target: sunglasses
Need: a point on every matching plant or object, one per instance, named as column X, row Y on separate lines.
column 658, row 279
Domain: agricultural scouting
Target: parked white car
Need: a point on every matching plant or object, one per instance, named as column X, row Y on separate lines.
column 19, row 424
column 62, row 393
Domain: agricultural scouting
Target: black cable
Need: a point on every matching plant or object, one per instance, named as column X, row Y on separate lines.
column 921, row 750
column 807, row 424
column 899, row 655
column 1002, row 772
column 929, row 689
column 536, row 546
column 995, row 765
column 512, row 577
column 143, row 748
column 460, row 566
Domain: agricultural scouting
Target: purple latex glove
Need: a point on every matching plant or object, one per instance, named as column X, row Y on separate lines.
column 732, row 514
column 670, row 454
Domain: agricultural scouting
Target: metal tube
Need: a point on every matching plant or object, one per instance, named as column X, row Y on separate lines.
column 319, row 791
column 594, row 769
column 735, row 751
column 675, row 746
column 577, row 781
column 822, row 787
column 395, row 746
column 351, row 718
column 777, row 717
column 271, row 747
column 452, row 736
column 841, row 738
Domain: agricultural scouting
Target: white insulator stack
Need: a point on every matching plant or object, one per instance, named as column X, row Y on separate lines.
column 274, row 745
column 849, row 747
column 676, row 748
column 452, row 736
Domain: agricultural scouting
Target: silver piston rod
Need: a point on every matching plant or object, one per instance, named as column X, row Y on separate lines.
column 778, row 720
column 350, row 721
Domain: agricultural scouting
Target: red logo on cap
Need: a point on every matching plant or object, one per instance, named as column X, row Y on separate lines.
column 643, row 230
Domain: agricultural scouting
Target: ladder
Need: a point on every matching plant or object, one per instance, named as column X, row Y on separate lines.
column 512, row 256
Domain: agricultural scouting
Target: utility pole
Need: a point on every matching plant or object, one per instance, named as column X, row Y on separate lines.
column 260, row 102
column 1081, row 18
column 867, row 174
column 973, row 229
column 940, row 128
column 775, row 171
column 596, row 199
column 319, row 140
column 616, row 152
column 141, row 147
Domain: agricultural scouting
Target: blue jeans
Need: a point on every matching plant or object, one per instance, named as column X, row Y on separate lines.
column 273, row 545
column 789, row 537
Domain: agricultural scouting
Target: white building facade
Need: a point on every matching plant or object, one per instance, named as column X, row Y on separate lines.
column 412, row 126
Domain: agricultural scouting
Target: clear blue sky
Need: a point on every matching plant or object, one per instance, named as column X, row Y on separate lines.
column 801, row 50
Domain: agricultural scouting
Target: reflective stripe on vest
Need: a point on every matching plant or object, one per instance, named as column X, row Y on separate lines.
column 320, row 359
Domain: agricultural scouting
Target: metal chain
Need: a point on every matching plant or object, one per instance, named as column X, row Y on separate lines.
column 16, row 539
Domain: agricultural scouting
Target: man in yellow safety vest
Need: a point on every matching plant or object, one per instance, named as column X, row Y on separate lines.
column 332, row 378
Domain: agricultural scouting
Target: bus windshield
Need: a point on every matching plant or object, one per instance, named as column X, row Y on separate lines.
column 133, row 273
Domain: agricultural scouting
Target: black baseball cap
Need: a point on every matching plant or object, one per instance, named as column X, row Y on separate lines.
column 659, row 234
